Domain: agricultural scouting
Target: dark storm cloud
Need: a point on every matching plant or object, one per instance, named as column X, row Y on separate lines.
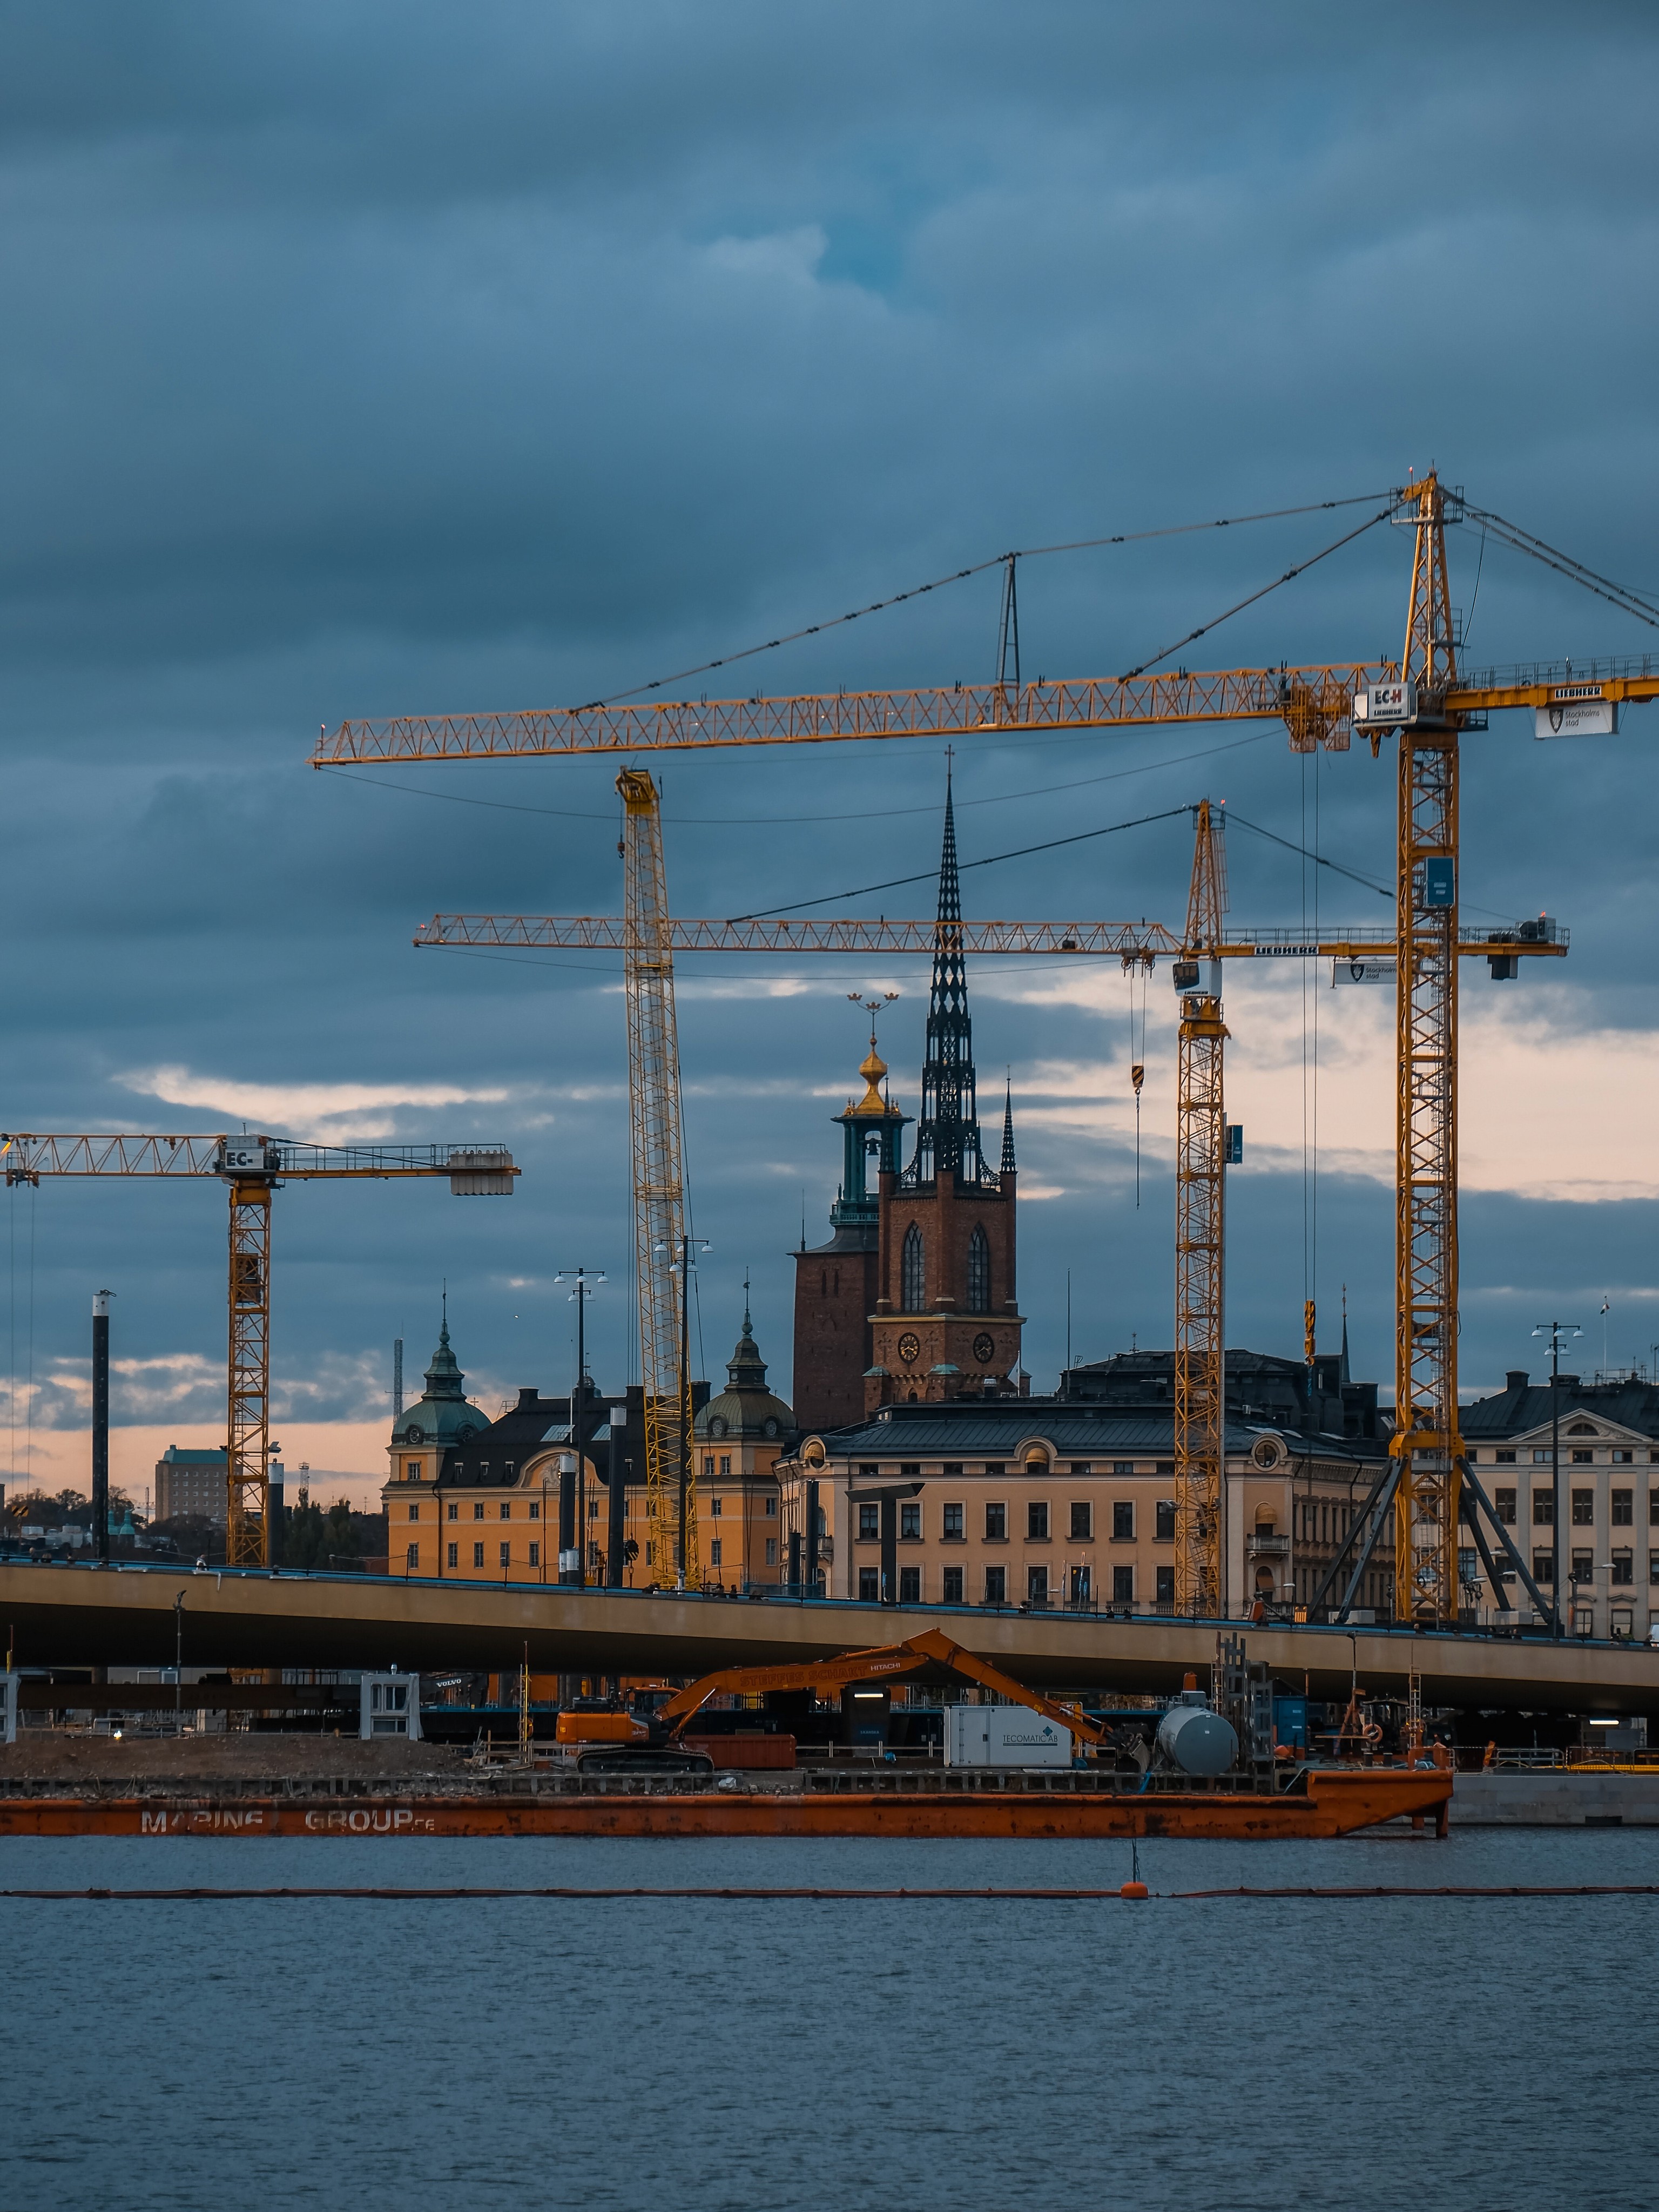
column 363, row 358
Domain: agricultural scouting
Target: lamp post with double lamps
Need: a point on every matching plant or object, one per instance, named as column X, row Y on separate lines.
column 571, row 1555
column 1555, row 1330
column 686, row 1266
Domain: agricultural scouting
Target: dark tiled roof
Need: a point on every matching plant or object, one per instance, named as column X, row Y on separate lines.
column 531, row 1426
column 1634, row 1405
column 850, row 1238
column 970, row 1430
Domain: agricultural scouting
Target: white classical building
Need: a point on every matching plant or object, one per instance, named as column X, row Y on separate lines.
column 1607, row 1545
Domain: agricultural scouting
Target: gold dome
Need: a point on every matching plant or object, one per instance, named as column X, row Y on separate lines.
column 872, row 1069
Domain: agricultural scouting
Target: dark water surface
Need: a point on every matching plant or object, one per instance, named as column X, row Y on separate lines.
column 685, row 2055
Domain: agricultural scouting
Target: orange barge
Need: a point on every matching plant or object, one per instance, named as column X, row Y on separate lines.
column 1331, row 1802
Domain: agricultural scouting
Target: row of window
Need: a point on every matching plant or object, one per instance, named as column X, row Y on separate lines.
column 1620, row 1566
column 1621, row 1508
column 716, row 1505
column 953, row 1517
column 717, row 1557
column 453, row 1555
column 909, row 1470
column 505, row 1510
column 1579, row 1455
column 478, row 1514
column 1076, row 1588
column 1323, row 1521
column 504, row 1554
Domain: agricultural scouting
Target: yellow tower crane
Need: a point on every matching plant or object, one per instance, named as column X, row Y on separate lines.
column 657, row 1141
column 252, row 1169
column 1420, row 697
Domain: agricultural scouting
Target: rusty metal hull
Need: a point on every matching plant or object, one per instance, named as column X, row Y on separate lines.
column 1336, row 1804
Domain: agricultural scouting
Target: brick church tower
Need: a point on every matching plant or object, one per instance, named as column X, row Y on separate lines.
column 946, row 1321
column 917, row 1285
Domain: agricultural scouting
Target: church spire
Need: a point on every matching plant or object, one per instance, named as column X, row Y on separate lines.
column 444, row 1377
column 1008, row 1128
column 947, row 1130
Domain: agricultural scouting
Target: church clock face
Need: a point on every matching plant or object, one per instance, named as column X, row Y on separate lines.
column 985, row 1347
column 910, row 1345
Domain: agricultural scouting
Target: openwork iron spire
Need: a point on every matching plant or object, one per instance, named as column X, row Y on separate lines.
column 1008, row 1128
column 947, row 1130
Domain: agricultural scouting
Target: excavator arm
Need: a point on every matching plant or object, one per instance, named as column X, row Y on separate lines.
column 880, row 1663
column 825, row 1677
column 938, row 1647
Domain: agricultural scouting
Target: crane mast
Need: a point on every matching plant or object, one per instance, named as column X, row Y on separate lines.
column 656, row 1137
column 1200, row 1234
column 247, row 1443
column 1427, row 1444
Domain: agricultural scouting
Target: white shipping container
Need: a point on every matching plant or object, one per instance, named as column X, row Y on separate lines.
column 1003, row 1735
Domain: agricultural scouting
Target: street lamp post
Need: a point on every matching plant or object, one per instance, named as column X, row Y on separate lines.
column 571, row 1553
column 686, row 1266
column 1555, row 1330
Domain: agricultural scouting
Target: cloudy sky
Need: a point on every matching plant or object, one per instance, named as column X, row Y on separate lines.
column 362, row 358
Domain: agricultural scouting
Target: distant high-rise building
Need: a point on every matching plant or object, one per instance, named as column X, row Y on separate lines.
column 190, row 1482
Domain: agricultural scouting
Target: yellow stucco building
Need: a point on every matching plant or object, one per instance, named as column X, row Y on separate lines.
column 473, row 1499
column 477, row 1499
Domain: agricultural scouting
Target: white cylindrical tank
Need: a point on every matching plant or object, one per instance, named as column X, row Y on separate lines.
column 1196, row 1740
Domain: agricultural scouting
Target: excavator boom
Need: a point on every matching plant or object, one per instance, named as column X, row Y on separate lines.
column 821, row 1676
column 881, row 1662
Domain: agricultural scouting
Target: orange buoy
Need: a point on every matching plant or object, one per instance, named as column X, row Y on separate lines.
column 1134, row 1889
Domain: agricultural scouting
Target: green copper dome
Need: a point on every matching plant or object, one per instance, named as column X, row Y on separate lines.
column 746, row 1409
column 440, row 1415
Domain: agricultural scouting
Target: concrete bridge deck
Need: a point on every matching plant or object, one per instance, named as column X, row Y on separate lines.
column 83, row 1615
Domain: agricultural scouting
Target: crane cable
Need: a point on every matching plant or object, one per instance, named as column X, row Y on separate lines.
column 28, row 1408
column 977, row 568
column 1523, row 541
column 929, row 875
column 1238, row 607
column 11, row 1332
column 1137, row 1059
column 1310, row 1060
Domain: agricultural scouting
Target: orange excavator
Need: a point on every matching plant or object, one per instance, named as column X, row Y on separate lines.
column 618, row 1741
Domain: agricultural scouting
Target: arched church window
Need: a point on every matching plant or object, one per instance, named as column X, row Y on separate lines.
column 979, row 1272
column 912, row 1285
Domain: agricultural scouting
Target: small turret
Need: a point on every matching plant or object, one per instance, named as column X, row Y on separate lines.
column 871, row 1147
